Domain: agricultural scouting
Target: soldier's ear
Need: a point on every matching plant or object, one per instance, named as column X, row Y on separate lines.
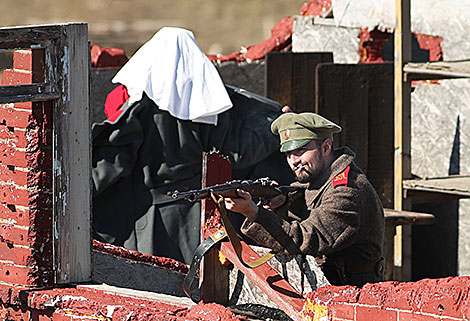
column 327, row 147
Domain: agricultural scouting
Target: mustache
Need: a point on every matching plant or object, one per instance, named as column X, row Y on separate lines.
column 302, row 167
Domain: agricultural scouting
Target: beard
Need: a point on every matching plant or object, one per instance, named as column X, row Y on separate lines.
column 306, row 173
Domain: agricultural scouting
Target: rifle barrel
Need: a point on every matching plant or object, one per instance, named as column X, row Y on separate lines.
column 256, row 189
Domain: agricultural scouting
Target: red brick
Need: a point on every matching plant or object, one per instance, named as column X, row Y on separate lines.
column 25, row 236
column 431, row 43
column 22, row 197
column 447, row 297
column 31, row 178
column 30, row 60
column 25, row 256
column 23, row 59
column 9, row 252
column 376, row 293
column 36, row 218
column 12, row 77
column 24, row 105
column 22, row 275
column 40, row 159
column 341, row 311
column 13, row 137
column 374, row 313
column 107, row 57
column 5, row 294
column 406, row 316
column 326, row 294
column 72, row 316
column 14, row 313
column 61, row 316
column 25, row 138
column 9, row 116
column 315, row 8
column 38, row 117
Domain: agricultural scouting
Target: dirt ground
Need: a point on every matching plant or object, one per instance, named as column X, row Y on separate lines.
column 221, row 26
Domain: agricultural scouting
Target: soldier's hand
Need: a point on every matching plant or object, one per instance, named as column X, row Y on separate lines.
column 287, row 109
column 243, row 205
column 276, row 202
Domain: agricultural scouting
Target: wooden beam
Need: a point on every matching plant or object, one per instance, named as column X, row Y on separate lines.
column 216, row 169
column 19, row 35
column 71, row 158
column 402, row 122
column 22, row 93
column 394, row 218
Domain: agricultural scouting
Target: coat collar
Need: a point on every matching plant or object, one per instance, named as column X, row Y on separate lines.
column 344, row 156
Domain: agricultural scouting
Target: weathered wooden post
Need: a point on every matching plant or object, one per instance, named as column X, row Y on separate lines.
column 216, row 169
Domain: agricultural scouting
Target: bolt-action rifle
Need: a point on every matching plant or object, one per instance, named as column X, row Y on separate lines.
column 262, row 188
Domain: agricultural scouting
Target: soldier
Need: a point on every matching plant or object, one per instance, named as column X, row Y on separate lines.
column 339, row 219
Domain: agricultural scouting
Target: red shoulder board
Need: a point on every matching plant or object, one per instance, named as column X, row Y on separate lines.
column 342, row 178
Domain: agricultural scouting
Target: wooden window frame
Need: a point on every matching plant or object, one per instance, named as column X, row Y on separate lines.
column 66, row 84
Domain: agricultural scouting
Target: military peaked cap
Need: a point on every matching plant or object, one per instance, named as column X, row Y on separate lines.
column 296, row 130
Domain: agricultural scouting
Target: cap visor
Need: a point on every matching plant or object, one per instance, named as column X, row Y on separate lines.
column 294, row 144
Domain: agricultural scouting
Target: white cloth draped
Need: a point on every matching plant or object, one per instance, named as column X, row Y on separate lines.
column 172, row 70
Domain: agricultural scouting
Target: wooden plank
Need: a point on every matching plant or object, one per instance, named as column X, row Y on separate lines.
column 437, row 70
column 33, row 34
column 267, row 280
column 290, row 78
column 454, row 184
column 304, row 80
column 24, row 44
column 33, row 92
column 278, row 82
column 402, row 120
column 356, row 122
column 328, row 87
column 380, row 153
column 359, row 99
column 452, row 187
column 71, row 157
column 216, row 169
column 394, row 217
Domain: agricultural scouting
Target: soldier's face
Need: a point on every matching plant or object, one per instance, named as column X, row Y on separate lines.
column 306, row 162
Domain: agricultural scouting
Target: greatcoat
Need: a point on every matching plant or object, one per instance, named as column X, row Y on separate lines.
column 340, row 218
column 147, row 153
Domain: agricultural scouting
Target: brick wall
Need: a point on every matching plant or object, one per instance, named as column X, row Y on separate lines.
column 426, row 300
column 27, row 291
column 84, row 303
column 26, row 180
